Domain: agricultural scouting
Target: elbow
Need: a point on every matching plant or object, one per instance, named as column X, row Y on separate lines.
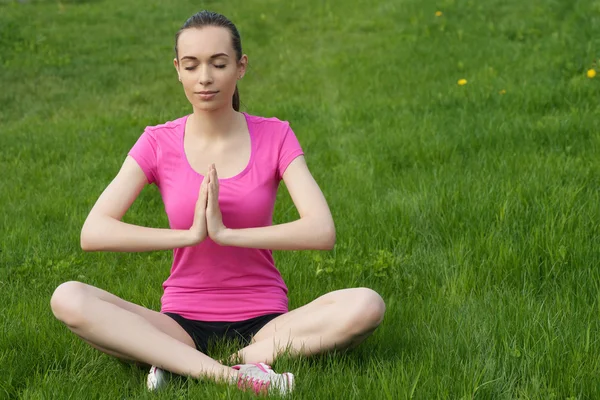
column 327, row 238
column 86, row 246
column 86, row 238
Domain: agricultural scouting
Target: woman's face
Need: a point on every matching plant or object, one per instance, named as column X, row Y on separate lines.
column 207, row 67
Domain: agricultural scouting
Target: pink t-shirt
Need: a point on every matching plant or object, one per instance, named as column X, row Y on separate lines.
column 209, row 282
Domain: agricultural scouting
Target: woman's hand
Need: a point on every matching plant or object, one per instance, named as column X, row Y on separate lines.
column 199, row 231
column 214, row 218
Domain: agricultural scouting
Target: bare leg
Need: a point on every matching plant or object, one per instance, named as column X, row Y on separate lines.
column 131, row 332
column 116, row 355
column 337, row 320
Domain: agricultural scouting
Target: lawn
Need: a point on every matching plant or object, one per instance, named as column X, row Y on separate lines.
column 456, row 141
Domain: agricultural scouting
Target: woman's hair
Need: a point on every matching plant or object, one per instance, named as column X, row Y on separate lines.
column 209, row 18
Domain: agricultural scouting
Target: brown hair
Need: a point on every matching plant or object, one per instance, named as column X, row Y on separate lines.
column 210, row 18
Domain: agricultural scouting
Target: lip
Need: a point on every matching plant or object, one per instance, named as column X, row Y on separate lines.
column 206, row 95
column 207, row 92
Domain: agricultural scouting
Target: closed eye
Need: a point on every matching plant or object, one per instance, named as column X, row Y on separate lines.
column 216, row 66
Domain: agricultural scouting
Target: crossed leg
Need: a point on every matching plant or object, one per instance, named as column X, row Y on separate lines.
column 131, row 332
column 337, row 320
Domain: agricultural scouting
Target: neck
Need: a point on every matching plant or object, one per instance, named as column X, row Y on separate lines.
column 212, row 125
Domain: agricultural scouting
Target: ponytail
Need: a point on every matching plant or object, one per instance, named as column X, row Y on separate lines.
column 236, row 99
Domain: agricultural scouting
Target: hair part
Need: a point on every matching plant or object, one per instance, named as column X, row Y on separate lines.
column 210, row 18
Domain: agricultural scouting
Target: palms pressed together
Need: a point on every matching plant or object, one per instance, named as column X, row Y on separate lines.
column 208, row 220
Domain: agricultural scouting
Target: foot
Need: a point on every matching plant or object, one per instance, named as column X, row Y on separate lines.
column 157, row 378
column 262, row 379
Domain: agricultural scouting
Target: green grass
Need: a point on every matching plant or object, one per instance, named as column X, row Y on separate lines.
column 473, row 213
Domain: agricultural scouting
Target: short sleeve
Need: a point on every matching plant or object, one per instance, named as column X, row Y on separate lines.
column 144, row 152
column 290, row 149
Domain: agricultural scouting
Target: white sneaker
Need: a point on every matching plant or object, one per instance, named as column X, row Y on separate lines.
column 259, row 377
column 157, row 378
column 262, row 379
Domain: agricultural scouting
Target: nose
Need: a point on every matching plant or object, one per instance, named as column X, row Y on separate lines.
column 205, row 77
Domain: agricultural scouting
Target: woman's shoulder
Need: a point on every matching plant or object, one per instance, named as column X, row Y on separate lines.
column 167, row 127
column 268, row 123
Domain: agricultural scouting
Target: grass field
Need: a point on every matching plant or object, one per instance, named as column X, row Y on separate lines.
column 472, row 209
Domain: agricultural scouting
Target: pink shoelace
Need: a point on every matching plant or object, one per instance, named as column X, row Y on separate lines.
column 257, row 385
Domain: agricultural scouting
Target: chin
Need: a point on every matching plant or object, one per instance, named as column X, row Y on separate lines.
column 208, row 106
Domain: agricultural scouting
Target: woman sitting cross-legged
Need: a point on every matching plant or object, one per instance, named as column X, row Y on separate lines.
column 218, row 171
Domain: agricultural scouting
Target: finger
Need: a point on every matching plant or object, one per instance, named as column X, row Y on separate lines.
column 203, row 195
column 213, row 188
column 202, row 190
column 209, row 202
column 215, row 195
column 211, row 193
column 216, row 176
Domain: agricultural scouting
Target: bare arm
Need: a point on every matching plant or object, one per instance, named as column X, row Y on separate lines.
column 103, row 229
column 314, row 230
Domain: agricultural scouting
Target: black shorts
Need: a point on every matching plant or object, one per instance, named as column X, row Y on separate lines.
column 203, row 332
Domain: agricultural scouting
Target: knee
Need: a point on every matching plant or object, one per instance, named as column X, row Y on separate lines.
column 367, row 312
column 67, row 302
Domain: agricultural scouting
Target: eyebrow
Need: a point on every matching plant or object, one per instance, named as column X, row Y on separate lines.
column 211, row 57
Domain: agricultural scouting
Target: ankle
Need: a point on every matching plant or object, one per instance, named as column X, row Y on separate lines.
column 229, row 377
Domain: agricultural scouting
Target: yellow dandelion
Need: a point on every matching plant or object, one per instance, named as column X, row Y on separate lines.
column 462, row 82
column 591, row 73
column 438, row 13
column 503, row 91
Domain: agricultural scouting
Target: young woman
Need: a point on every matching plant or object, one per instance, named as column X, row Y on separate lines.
column 218, row 171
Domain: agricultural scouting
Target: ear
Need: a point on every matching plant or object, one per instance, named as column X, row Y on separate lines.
column 176, row 64
column 242, row 65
